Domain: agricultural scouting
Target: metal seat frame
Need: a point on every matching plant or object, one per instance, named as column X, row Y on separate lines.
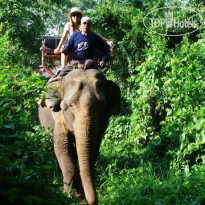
column 47, row 54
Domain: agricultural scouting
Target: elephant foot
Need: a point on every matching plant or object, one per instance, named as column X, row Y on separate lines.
column 75, row 193
column 66, row 187
column 79, row 195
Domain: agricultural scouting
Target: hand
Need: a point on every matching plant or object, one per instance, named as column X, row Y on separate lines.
column 57, row 51
column 110, row 43
column 80, row 66
column 102, row 64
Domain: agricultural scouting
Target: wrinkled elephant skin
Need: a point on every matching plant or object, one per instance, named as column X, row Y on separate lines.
column 84, row 105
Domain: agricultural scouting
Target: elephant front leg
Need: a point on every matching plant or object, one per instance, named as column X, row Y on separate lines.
column 63, row 147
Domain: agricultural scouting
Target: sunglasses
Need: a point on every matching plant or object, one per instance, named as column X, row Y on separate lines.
column 88, row 23
column 79, row 15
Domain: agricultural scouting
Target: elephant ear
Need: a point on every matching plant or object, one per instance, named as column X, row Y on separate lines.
column 113, row 98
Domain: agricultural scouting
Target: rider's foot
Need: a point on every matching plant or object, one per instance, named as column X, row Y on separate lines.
column 54, row 76
column 57, row 78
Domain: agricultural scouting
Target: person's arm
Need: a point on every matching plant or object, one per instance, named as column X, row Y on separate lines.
column 110, row 43
column 63, row 39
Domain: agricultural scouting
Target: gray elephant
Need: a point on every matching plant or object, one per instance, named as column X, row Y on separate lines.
column 79, row 115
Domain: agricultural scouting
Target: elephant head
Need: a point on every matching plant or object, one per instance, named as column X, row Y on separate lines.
column 86, row 101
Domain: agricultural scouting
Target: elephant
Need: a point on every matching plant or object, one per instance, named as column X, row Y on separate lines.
column 79, row 112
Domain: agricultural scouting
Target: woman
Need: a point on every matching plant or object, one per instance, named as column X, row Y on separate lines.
column 75, row 15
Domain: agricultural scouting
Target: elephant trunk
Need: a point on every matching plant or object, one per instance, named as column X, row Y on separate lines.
column 86, row 136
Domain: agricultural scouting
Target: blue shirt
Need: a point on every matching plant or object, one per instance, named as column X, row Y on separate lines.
column 86, row 45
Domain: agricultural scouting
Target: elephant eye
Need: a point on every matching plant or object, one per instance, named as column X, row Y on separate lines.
column 81, row 86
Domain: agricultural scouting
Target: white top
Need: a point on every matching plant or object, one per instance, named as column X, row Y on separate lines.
column 68, row 28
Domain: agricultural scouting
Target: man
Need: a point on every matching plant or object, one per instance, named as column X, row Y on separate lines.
column 84, row 43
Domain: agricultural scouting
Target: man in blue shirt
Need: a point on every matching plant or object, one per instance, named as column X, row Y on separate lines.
column 85, row 43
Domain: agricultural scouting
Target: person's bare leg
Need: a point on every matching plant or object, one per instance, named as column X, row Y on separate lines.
column 64, row 60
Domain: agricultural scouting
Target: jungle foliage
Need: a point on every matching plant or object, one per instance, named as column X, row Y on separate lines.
column 153, row 152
